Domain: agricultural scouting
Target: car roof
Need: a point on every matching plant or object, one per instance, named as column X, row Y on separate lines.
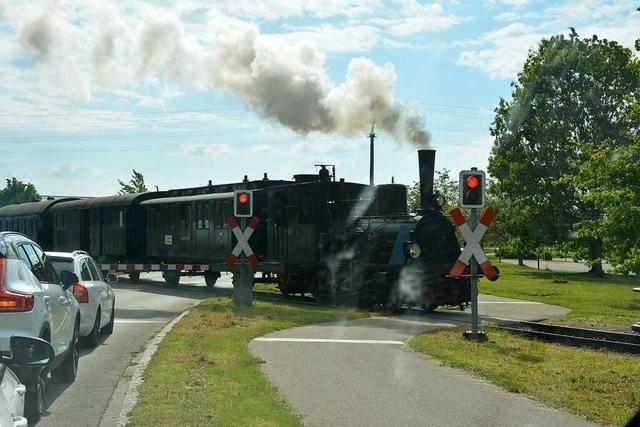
column 60, row 255
column 15, row 237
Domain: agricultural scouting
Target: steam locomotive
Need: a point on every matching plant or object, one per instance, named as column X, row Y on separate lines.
column 333, row 239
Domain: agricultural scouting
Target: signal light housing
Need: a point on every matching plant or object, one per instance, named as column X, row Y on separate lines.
column 472, row 188
column 243, row 203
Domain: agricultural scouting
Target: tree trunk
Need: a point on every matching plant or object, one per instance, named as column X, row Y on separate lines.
column 596, row 257
column 520, row 259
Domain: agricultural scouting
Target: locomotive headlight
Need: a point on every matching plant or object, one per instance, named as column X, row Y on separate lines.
column 413, row 249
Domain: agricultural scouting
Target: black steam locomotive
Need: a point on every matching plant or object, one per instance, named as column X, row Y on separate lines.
column 333, row 239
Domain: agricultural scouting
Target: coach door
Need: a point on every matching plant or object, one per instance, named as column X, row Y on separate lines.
column 202, row 229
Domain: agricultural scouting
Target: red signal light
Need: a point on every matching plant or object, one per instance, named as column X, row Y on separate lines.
column 472, row 181
column 243, row 198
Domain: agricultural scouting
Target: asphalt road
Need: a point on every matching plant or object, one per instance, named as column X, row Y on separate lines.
column 557, row 265
column 364, row 375
column 142, row 310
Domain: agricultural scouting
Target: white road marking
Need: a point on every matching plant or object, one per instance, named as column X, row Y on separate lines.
column 329, row 340
column 139, row 321
column 509, row 302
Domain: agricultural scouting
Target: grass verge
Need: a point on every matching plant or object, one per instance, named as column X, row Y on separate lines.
column 606, row 302
column 602, row 386
column 204, row 374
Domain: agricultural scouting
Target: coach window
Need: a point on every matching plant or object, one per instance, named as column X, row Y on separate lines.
column 217, row 214
column 183, row 211
column 205, row 216
column 120, row 218
column 226, row 212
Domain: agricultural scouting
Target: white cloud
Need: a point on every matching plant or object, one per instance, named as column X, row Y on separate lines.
column 508, row 46
column 413, row 17
column 207, row 150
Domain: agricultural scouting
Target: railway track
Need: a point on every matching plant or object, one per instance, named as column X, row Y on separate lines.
column 565, row 335
column 576, row 337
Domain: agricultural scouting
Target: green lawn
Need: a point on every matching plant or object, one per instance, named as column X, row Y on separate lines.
column 601, row 386
column 598, row 302
column 203, row 373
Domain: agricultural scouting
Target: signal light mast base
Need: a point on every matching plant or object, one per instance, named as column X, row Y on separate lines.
column 474, row 334
column 243, row 279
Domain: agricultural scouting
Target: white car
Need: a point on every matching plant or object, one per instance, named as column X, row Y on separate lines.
column 34, row 302
column 11, row 399
column 94, row 293
column 27, row 353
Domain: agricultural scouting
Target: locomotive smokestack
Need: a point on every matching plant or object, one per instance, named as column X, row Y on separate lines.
column 426, row 161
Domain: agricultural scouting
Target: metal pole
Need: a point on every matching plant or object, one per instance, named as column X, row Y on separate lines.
column 372, row 136
column 474, row 280
column 243, row 279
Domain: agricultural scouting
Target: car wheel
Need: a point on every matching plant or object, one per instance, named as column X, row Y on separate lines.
column 210, row 279
column 69, row 369
column 34, row 401
column 108, row 330
column 94, row 335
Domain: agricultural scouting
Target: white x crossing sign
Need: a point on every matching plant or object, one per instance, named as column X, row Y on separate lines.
column 243, row 240
column 473, row 248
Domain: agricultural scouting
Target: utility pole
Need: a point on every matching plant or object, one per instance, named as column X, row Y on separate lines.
column 372, row 137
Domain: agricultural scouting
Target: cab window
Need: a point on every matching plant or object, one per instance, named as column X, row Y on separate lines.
column 84, row 271
column 95, row 273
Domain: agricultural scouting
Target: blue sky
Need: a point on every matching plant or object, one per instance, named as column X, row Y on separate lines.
column 187, row 91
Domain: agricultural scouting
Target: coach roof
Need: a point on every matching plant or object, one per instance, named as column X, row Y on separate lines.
column 95, row 202
column 186, row 199
column 31, row 208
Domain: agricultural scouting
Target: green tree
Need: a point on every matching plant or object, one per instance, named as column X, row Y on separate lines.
column 442, row 184
column 135, row 185
column 18, row 192
column 609, row 179
column 572, row 96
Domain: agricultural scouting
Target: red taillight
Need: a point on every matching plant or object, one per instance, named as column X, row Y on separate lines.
column 81, row 293
column 11, row 301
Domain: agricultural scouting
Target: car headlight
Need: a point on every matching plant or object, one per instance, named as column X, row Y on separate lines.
column 414, row 250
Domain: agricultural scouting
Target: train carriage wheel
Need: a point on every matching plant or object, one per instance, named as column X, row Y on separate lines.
column 210, row 278
column 172, row 278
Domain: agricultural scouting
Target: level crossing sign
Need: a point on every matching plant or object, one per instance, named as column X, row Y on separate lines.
column 473, row 248
column 243, row 240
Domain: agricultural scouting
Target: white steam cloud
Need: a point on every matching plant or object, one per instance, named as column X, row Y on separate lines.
column 282, row 81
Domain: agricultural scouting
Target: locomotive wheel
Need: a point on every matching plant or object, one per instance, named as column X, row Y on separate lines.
column 429, row 308
column 134, row 276
column 172, row 278
column 210, row 278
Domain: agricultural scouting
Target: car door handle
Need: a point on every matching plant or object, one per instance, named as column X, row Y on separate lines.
column 63, row 300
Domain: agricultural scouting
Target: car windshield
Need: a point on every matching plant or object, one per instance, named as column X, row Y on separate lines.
column 60, row 264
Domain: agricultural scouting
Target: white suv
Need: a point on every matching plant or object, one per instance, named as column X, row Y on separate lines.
column 35, row 302
column 97, row 299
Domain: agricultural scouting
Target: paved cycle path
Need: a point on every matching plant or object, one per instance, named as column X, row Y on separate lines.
column 360, row 373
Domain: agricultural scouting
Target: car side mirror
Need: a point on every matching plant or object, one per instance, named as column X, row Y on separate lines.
column 68, row 279
column 30, row 351
column 112, row 278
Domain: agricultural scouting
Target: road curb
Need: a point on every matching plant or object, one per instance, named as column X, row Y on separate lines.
column 131, row 397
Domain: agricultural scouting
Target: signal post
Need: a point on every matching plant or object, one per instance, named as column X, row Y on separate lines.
column 472, row 197
column 243, row 276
